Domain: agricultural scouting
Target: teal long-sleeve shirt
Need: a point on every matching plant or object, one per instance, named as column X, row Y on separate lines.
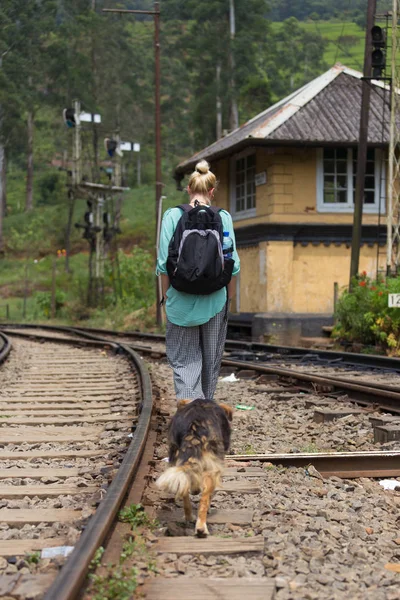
column 189, row 310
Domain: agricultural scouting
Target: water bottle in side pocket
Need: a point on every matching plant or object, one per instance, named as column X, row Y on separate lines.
column 227, row 246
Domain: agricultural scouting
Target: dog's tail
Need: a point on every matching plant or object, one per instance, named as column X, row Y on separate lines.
column 188, row 478
column 179, row 481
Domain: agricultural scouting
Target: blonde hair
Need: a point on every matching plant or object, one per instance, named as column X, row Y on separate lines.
column 202, row 180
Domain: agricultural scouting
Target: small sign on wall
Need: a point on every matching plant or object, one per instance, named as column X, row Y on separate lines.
column 394, row 301
column 260, row 178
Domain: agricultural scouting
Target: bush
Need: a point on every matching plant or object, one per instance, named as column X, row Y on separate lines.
column 51, row 188
column 43, row 302
column 132, row 279
column 364, row 315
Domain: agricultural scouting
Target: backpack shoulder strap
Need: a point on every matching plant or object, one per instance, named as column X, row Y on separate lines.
column 189, row 207
column 185, row 207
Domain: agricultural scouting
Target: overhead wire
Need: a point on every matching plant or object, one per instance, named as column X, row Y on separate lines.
column 338, row 46
column 341, row 34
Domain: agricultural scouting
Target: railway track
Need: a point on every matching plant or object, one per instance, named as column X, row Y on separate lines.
column 65, row 422
column 248, row 351
column 70, row 371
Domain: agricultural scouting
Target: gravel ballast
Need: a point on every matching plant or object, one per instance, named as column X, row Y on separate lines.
column 325, row 539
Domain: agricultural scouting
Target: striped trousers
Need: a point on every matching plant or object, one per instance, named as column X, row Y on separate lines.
column 195, row 355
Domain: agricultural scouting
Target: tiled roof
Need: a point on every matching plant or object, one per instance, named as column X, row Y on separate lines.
column 326, row 110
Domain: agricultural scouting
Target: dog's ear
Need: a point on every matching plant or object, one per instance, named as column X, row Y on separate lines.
column 181, row 404
column 228, row 411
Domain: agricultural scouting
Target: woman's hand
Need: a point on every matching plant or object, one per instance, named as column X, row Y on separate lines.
column 231, row 288
column 164, row 285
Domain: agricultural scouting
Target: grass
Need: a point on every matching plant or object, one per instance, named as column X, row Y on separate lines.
column 32, row 240
column 309, row 448
column 345, row 41
column 32, row 558
column 120, row 581
column 136, row 517
column 248, row 449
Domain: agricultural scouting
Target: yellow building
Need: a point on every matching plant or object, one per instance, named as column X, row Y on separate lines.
column 287, row 176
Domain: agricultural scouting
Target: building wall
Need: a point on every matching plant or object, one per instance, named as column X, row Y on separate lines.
column 279, row 276
column 253, row 279
column 317, row 268
column 290, row 194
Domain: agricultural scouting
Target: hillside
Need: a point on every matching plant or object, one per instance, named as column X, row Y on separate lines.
column 344, row 41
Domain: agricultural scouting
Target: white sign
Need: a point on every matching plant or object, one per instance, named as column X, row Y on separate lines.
column 394, row 300
column 89, row 118
column 130, row 146
column 261, row 178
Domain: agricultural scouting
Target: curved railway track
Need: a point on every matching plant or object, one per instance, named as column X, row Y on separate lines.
column 63, row 436
column 244, row 350
column 77, row 362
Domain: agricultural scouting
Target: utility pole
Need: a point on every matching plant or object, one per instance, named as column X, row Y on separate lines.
column 362, row 145
column 234, row 115
column 138, row 170
column 218, row 100
column 2, row 192
column 118, row 162
column 77, row 146
column 99, row 260
column 393, row 209
column 156, row 15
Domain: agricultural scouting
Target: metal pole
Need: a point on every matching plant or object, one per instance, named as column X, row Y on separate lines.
column 99, row 264
column 77, row 148
column 25, row 290
column 158, row 137
column 139, row 175
column 234, row 115
column 159, row 286
column 362, row 146
column 392, row 208
column 53, row 290
column 156, row 13
column 218, row 101
column 118, row 163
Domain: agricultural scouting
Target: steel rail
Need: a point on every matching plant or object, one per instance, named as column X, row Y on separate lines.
column 5, row 348
column 388, row 397
column 374, row 361
column 371, row 393
column 346, row 465
column 68, row 583
column 364, row 393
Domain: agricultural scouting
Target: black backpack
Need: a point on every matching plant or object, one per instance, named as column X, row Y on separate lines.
column 196, row 263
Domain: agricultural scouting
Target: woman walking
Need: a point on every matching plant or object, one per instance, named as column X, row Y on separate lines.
column 197, row 322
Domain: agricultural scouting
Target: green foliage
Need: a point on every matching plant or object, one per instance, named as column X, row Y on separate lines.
column 134, row 278
column 32, row 558
column 365, row 317
column 322, row 9
column 118, row 584
column 43, row 301
column 96, row 560
column 136, row 516
column 51, row 188
column 343, row 41
column 36, row 233
column 31, row 237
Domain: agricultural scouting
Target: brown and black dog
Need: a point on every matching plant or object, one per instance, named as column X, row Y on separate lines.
column 199, row 436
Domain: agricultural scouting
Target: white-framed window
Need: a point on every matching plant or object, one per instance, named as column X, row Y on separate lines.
column 336, row 180
column 243, row 186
